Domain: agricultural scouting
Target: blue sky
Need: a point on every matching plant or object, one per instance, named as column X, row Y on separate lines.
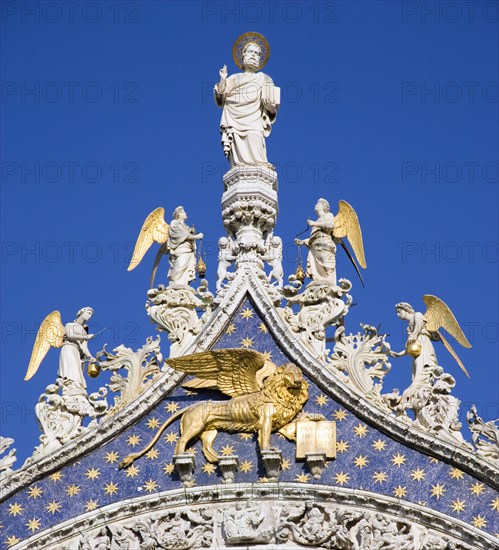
column 107, row 114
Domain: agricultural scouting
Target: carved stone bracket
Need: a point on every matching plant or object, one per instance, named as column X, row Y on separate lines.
column 228, row 466
column 272, row 460
column 316, row 463
column 184, row 466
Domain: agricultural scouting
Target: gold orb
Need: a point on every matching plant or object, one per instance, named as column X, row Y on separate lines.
column 414, row 349
column 93, row 370
column 201, row 268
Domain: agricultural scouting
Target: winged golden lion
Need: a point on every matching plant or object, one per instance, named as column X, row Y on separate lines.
column 327, row 231
column 265, row 399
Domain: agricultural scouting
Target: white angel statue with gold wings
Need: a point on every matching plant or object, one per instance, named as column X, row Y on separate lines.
column 73, row 339
column 421, row 331
column 327, row 231
column 177, row 239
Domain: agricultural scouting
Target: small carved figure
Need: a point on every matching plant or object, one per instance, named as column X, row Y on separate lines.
column 274, row 258
column 7, row 460
column 327, row 231
column 225, row 258
column 176, row 239
column 73, row 339
column 265, row 399
column 484, row 435
column 250, row 102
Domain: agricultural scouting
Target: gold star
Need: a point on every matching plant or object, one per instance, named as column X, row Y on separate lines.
column 191, row 451
column 342, row 446
column 434, row 460
column 479, row 521
column 12, row 540
column 91, row 505
column 342, row 478
column 72, row 490
column 360, row 430
column 53, row 507
column 458, row 506
column 456, row 474
column 172, row 407
column 168, row 468
column 267, row 355
column 111, row 457
column 477, row 489
column 246, row 466
column 34, row 492
column 418, row 474
column 438, row 490
column 33, row 524
column 171, row 437
column 398, row 460
column 152, row 454
column 340, row 414
column 379, row 445
column 361, row 461
column 153, row 422
column 321, row 400
column 380, row 477
column 56, row 477
column 247, row 342
column 263, row 328
column 400, row 492
column 188, row 392
column 150, row 486
column 286, row 464
column 15, row 509
column 302, row 478
column 230, row 329
column 132, row 471
column 133, row 440
column 209, row 468
column 247, row 313
column 110, row 488
column 263, row 480
column 228, row 450
column 93, row 473
column 495, row 504
column 245, row 437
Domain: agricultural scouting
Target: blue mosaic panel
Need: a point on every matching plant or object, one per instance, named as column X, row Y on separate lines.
column 366, row 459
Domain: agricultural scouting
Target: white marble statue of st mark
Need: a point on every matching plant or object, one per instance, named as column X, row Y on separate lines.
column 250, row 102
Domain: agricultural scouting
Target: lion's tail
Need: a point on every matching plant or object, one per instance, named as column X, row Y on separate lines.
column 131, row 458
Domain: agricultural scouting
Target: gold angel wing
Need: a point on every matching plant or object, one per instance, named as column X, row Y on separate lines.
column 50, row 334
column 154, row 229
column 438, row 315
column 346, row 224
column 232, row 371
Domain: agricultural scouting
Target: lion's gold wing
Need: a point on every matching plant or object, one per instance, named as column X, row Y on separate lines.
column 154, row 229
column 50, row 334
column 438, row 315
column 232, row 371
column 346, row 224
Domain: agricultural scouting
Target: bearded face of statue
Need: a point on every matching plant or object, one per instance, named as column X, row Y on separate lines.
column 251, row 57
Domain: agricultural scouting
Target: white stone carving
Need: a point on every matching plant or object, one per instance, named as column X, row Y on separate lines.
column 61, row 414
column 273, row 256
column 247, row 524
column 484, row 435
column 227, row 253
column 361, row 361
column 7, row 460
column 249, row 110
column 142, row 368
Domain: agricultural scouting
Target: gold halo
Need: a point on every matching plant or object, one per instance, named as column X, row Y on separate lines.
column 243, row 40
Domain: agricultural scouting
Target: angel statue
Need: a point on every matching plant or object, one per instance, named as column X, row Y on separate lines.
column 250, row 102
column 327, row 231
column 73, row 339
column 177, row 239
column 265, row 399
column 422, row 329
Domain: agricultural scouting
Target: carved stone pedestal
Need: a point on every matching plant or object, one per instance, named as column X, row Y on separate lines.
column 272, row 460
column 315, row 463
column 228, row 466
column 184, row 465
